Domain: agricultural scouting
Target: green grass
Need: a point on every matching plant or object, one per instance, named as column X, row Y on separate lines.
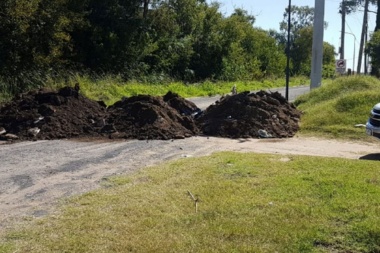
column 112, row 88
column 334, row 109
column 248, row 203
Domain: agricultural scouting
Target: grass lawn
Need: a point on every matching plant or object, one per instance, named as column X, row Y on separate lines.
column 246, row 203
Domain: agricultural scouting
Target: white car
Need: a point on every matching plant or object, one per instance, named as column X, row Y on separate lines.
column 373, row 123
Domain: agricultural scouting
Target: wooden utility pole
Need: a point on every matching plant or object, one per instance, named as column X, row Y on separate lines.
column 343, row 30
column 365, row 53
column 288, row 53
column 362, row 37
column 146, row 8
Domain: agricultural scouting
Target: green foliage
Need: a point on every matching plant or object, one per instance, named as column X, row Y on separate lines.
column 301, row 17
column 147, row 41
column 328, row 70
column 253, row 54
column 373, row 47
column 353, row 5
column 248, row 203
column 335, row 108
column 301, row 51
column 301, row 41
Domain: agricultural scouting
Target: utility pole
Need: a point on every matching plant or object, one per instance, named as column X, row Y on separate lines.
column 365, row 53
column 365, row 20
column 317, row 49
column 343, row 30
column 288, row 54
column 353, row 59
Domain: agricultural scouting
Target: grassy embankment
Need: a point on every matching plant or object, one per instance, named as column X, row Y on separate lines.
column 334, row 109
column 247, row 202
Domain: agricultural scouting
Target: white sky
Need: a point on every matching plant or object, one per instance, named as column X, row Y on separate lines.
column 269, row 14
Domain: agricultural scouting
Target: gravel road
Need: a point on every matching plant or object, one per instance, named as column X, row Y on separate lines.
column 36, row 175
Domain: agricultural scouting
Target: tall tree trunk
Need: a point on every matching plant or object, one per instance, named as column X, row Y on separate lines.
column 362, row 36
column 146, row 8
column 377, row 27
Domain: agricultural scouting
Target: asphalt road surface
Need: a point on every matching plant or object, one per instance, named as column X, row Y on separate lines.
column 294, row 92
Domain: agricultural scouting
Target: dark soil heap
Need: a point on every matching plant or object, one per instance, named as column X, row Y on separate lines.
column 149, row 117
column 251, row 115
column 47, row 114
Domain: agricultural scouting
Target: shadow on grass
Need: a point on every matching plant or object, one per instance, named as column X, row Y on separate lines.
column 373, row 157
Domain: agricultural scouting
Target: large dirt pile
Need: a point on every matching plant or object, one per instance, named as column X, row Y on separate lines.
column 150, row 117
column 251, row 115
column 48, row 114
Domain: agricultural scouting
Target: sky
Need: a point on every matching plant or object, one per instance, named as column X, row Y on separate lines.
column 269, row 14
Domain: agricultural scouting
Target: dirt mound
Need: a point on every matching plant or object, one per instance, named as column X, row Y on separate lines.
column 251, row 115
column 149, row 117
column 48, row 114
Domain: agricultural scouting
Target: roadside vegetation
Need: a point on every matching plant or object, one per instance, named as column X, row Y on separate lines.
column 112, row 88
column 337, row 106
column 185, row 41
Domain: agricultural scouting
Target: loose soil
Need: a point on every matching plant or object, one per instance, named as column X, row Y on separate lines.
column 47, row 115
column 251, row 115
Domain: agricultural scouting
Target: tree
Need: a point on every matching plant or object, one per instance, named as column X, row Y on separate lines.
column 182, row 39
column 176, row 29
column 35, row 38
column 301, row 17
column 300, row 38
column 347, row 7
column 252, row 53
column 377, row 27
column 328, row 61
column 301, row 57
column 112, row 38
column 373, row 48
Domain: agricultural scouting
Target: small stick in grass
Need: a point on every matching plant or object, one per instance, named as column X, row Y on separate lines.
column 196, row 200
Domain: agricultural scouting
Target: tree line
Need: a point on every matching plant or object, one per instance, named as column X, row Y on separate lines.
column 186, row 40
